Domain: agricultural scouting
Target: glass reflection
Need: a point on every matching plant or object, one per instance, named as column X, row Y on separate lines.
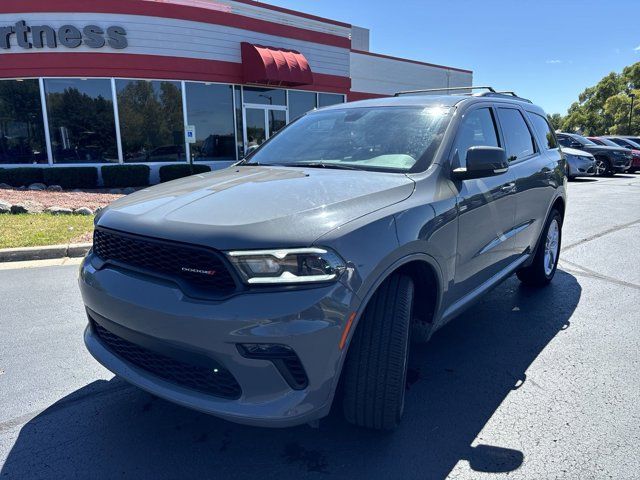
column 265, row 96
column 256, row 128
column 210, row 110
column 151, row 120
column 21, row 124
column 328, row 99
column 81, row 120
column 300, row 103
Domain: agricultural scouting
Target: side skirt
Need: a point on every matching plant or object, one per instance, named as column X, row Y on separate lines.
column 471, row 297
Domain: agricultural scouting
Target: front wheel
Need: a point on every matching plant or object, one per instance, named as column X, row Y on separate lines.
column 545, row 262
column 603, row 167
column 375, row 372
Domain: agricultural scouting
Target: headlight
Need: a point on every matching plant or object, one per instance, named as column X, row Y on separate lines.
column 287, row 266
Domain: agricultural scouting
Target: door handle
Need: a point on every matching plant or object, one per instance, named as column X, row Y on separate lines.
column 508, row 187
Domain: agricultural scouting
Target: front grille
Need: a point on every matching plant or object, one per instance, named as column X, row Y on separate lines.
column 213, row 380
column 197, row 268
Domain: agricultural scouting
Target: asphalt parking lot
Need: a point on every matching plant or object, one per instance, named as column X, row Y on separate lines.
column 526, row 384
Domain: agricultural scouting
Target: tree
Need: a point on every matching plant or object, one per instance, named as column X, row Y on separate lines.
column 555, row 120
column 604, row 108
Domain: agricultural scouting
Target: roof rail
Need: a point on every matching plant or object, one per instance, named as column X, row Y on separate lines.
column 513, row 94
column 446, row 89
column 491, row 92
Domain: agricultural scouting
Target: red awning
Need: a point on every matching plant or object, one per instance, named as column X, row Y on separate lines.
column 274, row 66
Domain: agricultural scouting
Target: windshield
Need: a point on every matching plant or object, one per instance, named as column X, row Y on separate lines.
column 396, row 139
column 607, row 142
column 583, row 140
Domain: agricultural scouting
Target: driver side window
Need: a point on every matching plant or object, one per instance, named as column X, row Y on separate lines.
column 478, row 128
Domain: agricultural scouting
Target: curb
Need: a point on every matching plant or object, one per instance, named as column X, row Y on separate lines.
column 23, row 254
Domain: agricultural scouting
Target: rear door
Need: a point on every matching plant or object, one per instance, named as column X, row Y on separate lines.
column 486, row 207
column 536, row 163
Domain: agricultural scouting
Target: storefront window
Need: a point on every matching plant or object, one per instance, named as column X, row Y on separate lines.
column 151, row 121
column 300, row 103
column 328, row 99
column 81, row 120
column 239, row 125
column 21, row 124
column 210, row 110
column 265, row 96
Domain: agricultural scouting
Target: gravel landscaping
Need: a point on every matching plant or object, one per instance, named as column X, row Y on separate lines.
column 73, row 200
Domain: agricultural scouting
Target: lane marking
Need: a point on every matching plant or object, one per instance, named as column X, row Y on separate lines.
column 601, row 234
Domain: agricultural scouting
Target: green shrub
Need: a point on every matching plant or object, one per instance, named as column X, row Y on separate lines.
column 72, row 177
column 120, row 176
column 173, row 172
column 17, row 177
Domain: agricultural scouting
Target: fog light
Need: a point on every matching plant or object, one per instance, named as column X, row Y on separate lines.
column 264, row 350
column 283, row 357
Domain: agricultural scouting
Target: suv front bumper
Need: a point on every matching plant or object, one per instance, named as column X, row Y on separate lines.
column 311, row 321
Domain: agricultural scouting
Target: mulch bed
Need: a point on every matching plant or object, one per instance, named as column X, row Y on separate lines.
column 89, row 198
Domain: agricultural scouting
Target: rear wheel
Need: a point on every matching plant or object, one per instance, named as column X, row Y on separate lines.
column 375, row 372
column 545, row 263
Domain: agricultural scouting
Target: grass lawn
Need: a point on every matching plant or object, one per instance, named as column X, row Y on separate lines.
column 44, row 229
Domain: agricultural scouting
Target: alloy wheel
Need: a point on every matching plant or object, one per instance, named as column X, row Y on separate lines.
column 601, row 167
column 551, row 247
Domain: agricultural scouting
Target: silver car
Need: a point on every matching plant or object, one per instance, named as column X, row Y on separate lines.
column 579, row 163
column 251, row 292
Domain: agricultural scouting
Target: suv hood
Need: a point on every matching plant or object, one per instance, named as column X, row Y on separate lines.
column 576, row 152
column 255, row 207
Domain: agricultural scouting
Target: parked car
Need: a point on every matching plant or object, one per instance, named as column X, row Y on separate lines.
column 579, row 163
column 627, row 143
column 630, row 144
column 251, row 292
column 609, row 160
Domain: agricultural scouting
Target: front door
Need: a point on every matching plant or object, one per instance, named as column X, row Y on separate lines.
column 260, row 123
column 486, row 206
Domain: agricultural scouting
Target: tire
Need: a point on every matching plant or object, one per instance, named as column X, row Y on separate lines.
column 603, row 167
column 375, row 372
column 540, row 272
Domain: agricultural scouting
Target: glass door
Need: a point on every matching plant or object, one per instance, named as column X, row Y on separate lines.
column 261, row 122
column 255, row 128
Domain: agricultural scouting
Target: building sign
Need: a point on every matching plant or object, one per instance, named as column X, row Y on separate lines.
column 39, row 36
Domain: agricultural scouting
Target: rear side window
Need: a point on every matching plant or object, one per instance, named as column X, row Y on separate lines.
column 477, row 129
column 517, row 136
column 544, row 130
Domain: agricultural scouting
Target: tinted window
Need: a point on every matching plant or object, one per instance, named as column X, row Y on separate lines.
column 300, row 103
column 151, row 121
column 239, row 126
column 384, row 139
column 477, row 129
column 517, row 136
column 21, row 124
column 210, row 110
column 265, row 96
column 328, row 99
column 544, row 131
column 81, row 120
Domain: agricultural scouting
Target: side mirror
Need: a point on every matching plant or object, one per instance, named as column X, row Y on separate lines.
column 483, row 161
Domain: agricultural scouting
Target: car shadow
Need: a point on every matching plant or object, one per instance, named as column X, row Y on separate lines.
column 456, row 382
column 583, row 180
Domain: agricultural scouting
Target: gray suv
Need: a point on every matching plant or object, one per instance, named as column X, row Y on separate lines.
column 253, row 292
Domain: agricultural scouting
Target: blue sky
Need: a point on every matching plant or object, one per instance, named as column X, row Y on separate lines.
column 545, row 50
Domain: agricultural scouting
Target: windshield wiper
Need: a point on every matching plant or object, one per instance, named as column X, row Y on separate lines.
column 336, row 166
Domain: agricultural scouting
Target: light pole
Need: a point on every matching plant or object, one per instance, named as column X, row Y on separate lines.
column 632, row 96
